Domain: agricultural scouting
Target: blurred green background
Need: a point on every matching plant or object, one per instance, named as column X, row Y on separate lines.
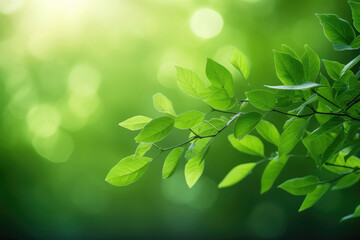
column 71, row 70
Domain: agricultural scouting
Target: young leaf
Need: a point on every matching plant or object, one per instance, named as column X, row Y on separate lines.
column 171, row 162
column 352, row 162
column 219, row 76
column 248, row 144
column 128, row 170
column 246, row 123
column 290, row 51
column 268, row 131
column 193, row 170
column 156, row 130
column 262, row 99
column 314, row 196
column 292, row 135
column 347, row 181
column 303, row 86
column 163, row 104
column 217, row 98
column 329, row 126
column 189, row 82
column 189, row 119
column 300, row 186
column 272, row 171
column 135, row 123
column 354, row 215
column 289, row 70
column 337, row 30
column 333, row 69
column 311, row 63
column 236, row 174
column 142, row 149
column 239, row 61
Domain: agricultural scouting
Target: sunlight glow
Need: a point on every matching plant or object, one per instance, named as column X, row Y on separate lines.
column 206, row 23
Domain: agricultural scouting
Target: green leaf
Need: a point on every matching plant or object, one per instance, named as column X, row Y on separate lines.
column 193, row 170
column 171, row 162
column 347, row 181
column 219, row 76
column 189, row 82
column 291, row 136
column 268, row 131
column 337, row 30
column 272, row 171
column 329, row 126
column 163, row 104
column 142, row 149
column 335, row 71
column 300, row 186
column 336, row 145
column 262, row 99
column 311, row 63
column 354, row 215
column 128, row 170
column 351, row 163
column 314, row 196
column 204, row 128
column 316, row 147
column 189, row 119
column 289, row 70
column 303, row 86
column 290, row 51
column 217, row 98
column 240, row 62
column 156, row 130
column 248, row 144
column 355, row 9
column 236, row 174
column 245, row 123
column 350, row 65
column 135, row 123
column 198, row 148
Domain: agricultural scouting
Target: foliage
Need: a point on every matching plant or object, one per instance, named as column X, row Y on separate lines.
column 329, row 101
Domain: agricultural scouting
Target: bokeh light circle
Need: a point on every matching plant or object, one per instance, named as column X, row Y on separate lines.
column 43, row 120
column 206, row 23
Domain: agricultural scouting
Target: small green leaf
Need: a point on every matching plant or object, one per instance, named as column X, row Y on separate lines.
column 189, row 119
column 314, row 196
column 262, row 99
column 142, row 149
column 163, row 104
column 219, row 76
column 236, row 174
column 128, row 170
column 246, row 123
column 240, row 62
column 268, row 131
column 329, row 126
column 290, row 51
column 350, row 65
column 248, row 144
column 303, row 86
column 311, row 63
column 292, row 135
column 352, row 162
column 193, row 170
column 217, row 98
column 335, row 71
column 135, row 123
column 289, row 70
column 337, row 30
column 189, row 81
column 355, row 9
column 156, row 130
column 271, row 172
column 300, row 186
column 171, row 162
column 354, row 215
column 317, row 146
column 347, row 181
